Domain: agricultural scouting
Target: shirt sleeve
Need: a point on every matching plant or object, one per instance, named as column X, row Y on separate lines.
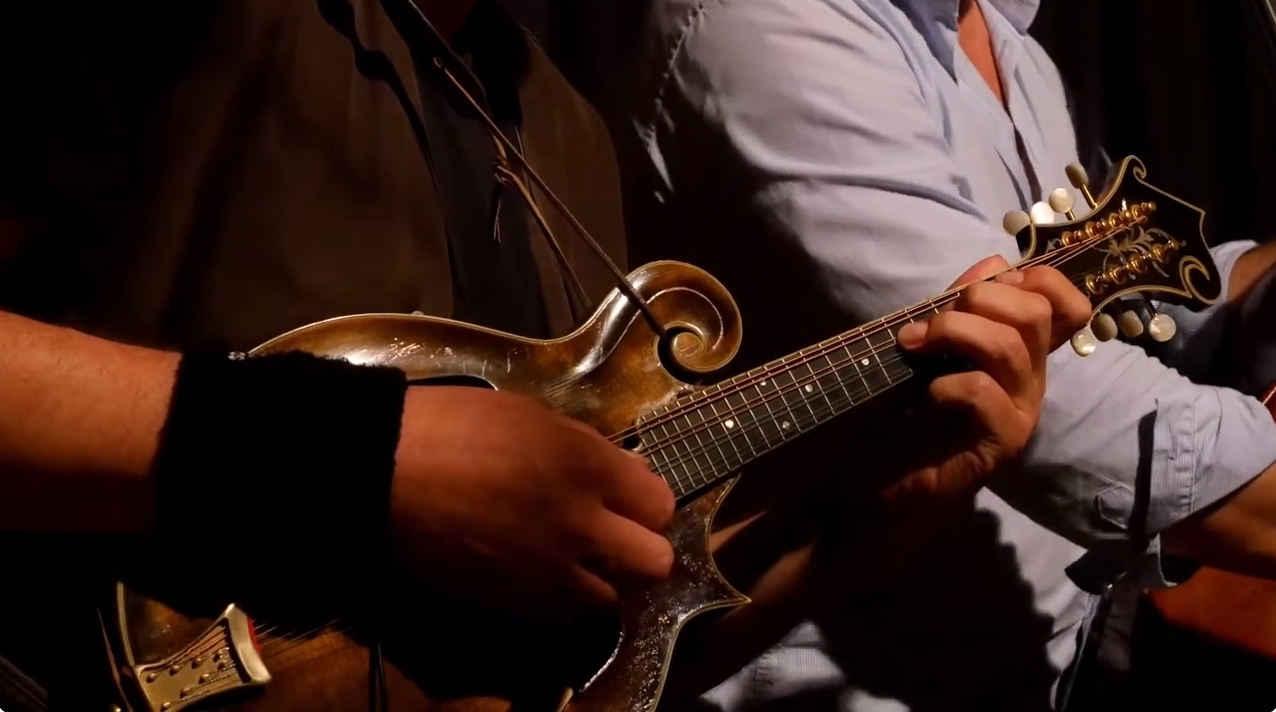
column 848, row 163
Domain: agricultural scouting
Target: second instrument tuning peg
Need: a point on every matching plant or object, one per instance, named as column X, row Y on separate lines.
column 1079, row 180
column 1083, row 342
column 1041, row 214
column 1062, row 202
column 1162, row 328
column 1104, row 327
column 1015, row 221
column 1131, row 324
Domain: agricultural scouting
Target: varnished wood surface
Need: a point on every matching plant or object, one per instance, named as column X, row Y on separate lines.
column 445, row 656
column 1234, row 609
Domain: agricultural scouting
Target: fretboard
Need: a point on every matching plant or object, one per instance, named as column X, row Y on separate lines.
column 701, row 439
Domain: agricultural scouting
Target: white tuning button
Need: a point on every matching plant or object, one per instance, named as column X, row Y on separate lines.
column 1131, row 325
column 1076, row 175
column 1162, row 328
column 1015, row 221
column 1061, row 201
column 1083, row 342
column 1104, row 327
column 1041, row 214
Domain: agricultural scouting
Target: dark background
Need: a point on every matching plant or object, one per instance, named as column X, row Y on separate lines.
column 1186, row 85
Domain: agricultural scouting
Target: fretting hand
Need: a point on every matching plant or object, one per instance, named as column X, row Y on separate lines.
column 976, row 424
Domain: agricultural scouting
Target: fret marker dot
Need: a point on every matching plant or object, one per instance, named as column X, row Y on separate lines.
column 729, row 423
column 864, row 362
column 784, row 425
column 763, row 383
column 808, row 388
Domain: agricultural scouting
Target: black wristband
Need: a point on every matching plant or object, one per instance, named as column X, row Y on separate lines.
column 289, row 456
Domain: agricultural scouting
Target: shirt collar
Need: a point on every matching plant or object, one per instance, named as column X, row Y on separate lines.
column 1019, row 13
column 937, row 21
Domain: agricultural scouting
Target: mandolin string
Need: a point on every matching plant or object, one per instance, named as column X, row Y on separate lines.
column 275, row 648
column 1057, row 257
column 262, row 634
column 1054, row 258
column 716, row 443
column 219, row 640
column 840, row 399
column 275, row 651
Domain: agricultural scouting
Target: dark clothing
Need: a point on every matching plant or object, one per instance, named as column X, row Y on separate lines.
column 228, row 170
column 232, row 170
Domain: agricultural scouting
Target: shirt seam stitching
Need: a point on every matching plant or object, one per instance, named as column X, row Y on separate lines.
column 684, row 33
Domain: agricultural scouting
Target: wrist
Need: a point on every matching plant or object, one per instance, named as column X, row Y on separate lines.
column 289, row 457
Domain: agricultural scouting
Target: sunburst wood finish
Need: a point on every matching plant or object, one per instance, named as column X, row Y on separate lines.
column 609, row 373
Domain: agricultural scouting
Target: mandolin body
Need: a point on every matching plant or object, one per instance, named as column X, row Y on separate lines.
column 609, row 373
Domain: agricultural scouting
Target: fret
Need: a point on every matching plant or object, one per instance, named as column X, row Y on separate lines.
column 801, row 414
column 663, row 460
column 847, row 373
column 728, row 422
column 701, row 456
column 855, row 354
column 818, row 378
column 717, row 440
column 881, row 346
column 677, row 455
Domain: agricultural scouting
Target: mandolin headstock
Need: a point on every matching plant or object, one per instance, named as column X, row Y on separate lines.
column 1137, row 241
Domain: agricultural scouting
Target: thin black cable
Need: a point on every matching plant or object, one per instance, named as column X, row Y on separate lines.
column 407, row 14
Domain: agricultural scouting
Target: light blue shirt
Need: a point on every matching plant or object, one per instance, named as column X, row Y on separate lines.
column 846, row 156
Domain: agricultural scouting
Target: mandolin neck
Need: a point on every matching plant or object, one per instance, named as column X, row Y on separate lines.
column 707, row 437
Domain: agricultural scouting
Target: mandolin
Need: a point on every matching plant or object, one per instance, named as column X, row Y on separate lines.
column 656, row 396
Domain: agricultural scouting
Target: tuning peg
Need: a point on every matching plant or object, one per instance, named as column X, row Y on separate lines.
column 1162, row 328
column 1062, row 202
column 1083, row 342
column 1130, row 323
column 1041, row 214
column 1015, row 221
column 1104, row 327
column 1079, row 180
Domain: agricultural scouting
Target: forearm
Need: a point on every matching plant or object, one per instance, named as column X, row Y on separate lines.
column 1127, row 449
column 79, row 427
column 1249, row 271
column 1238, row 534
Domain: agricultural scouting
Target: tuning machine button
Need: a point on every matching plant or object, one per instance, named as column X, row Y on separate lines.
column 1104, row 327
column 1130, row 324
column 1079, row 180
column 1015, row 221
column 1083, row 342
column 1041, row 214
column 1061, row 201
column 1162, row 328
